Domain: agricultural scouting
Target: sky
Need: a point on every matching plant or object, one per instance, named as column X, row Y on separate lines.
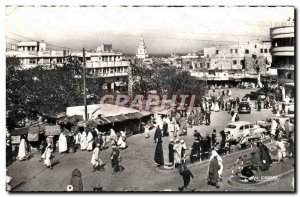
column 165, row 29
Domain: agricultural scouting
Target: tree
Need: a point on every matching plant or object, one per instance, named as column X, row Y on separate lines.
column 42, row 89
column 166, row 79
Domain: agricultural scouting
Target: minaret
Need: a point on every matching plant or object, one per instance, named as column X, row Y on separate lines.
column 142, row 51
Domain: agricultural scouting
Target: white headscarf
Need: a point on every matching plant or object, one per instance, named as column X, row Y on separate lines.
column 215, row 154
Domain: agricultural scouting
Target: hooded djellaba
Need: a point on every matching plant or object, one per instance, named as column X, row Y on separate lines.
column 213, row 175
column 76, row 181
column 264, row 156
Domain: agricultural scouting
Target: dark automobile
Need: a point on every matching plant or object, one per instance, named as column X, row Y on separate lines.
column 244, row 107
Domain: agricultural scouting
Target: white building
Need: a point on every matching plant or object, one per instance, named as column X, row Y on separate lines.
column 33, row 54
column 142, row 50
column 283, row 55
column 103, row 63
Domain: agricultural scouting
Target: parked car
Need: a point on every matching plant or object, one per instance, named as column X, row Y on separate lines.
column 244, row 107
column 242, row 129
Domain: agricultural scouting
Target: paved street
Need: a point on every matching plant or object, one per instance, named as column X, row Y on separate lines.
column 140, row 172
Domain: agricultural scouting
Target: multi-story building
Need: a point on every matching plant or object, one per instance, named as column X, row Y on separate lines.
column 103, row 63
column 142, row 50
column 33, row 54
column 109, row 65
column 283, row 57
column 235, row 62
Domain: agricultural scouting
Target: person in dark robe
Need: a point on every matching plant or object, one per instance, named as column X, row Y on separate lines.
column 265, row 156
column 195, row 152
column 223, row 136
column 171, row 151
column 76, row 181
column 115, row 159
column 213, row 175
column 186, row 175
column 165, row 129
column 256, row 157
column 247, row 174
column 214, row 137
column 208, row 142
column 197, row 135
column 283, row 108
column 207, row 115
column 159, row 155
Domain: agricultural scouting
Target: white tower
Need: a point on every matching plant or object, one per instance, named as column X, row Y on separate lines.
column 142, row 51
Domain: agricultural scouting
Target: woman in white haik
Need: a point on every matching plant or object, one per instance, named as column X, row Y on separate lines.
column 62, row 143
column 47, row 156
column 122, row 140
column 96, row 161
column 220, row 162
column 147, row 132
column 22, row 154
column 83, row 141
column 90, row 141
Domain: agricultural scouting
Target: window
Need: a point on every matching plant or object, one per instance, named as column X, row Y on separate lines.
column 255, row 46
column 236, row 51
column 247, row 126
column 269, row 50
column 254, row 56
column 251, row 126
column 231, row 50
column 234, row 62
column 289, row 76
column 32, row 61
column 261, row 50
column 231, row 126
column 217, row 52
column 247, row 51
column 241, row 128
column 266, row 50
column 208, row 65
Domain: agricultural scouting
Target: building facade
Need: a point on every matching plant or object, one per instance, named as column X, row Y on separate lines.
column 283, row 57
column 142, row 50
column 33, row 54
column 103, row 63
column 235, row 62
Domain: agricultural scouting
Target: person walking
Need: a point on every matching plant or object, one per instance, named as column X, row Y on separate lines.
column 47, row 156
column 213, row 175
column 186, row 175
column 115, row 159
column 96, row 160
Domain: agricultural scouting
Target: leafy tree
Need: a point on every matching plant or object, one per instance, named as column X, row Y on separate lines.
column 42, row 89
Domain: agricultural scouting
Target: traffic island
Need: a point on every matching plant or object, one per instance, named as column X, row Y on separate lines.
column 262, row 178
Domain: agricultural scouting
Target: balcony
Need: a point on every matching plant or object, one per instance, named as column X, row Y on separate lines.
column 283, row 51
column 282, row 32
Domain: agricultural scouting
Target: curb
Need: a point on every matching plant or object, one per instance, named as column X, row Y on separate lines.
column 190, row 165
column 252, row 186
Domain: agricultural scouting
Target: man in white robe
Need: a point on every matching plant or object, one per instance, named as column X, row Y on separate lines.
column 90, row 140
column 62, row 143
column 96, row 161
column 83, row 141
column 113, row 136
column 217, row 108
column 22, row 154
column 177, row 153
column 121, row 142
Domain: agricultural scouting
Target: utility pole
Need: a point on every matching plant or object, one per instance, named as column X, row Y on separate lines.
column 84, row 85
